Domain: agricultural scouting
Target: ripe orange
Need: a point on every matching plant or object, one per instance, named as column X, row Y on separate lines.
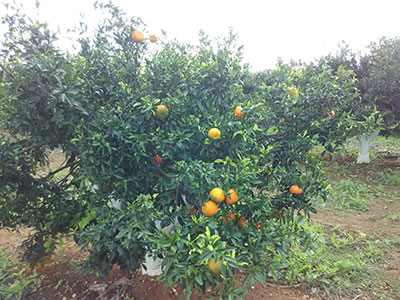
column 214, row 133
column 158, row 159
column 294, row 189
column 241, row 221
column 162, row 111
column 232, row 197
column 293, row 92
column 259, row 226
column 331, row 114
column 217, row 195
column 153, row 38
column 238, row 112
column 214, row 267
column 375, row 54
column 229, row 217
column 137, row 36
column 209, row 208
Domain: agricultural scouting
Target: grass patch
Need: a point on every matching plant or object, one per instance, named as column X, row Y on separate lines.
column 334, row 262
column 391, row 176
column 347, row 193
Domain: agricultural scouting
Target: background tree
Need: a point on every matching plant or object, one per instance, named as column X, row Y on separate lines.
column 41, row 104
column 378, row 81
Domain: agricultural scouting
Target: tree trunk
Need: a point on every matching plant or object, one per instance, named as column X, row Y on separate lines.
column 365, row 140
column 152, row 263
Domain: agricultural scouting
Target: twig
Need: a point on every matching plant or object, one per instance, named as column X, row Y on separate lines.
column 29, row 148
column 153, row 162
column 272, row 136
column 62, row 168
column 283, row 286
column 66, row 176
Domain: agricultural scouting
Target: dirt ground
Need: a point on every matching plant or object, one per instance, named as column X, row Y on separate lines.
column 62, row 282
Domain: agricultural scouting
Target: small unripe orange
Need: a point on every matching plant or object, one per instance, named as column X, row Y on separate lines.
column 153, row 38
column 162, row 111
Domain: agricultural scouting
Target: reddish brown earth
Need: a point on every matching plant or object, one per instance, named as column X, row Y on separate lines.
column 62, row 282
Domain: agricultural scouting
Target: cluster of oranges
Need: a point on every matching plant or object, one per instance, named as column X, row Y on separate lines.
column 294, row 189
column 138, row 36
column 217, row 195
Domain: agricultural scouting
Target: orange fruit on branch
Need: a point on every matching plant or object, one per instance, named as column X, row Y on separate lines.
column 214, row 267
column 331, row 114
column 153, row 38
column 214, row 133
column 217, row 195
column 162, row 111
column 158, row 159
column 238, row 112
column 209, row 208
column 232, row 197
column 241, row 221
column 137, row 36
column 229, row 217
column 293, row 92
column 294, row 189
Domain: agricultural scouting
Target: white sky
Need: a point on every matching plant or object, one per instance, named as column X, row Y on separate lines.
column 302, row 29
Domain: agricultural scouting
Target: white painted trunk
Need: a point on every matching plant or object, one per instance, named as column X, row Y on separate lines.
column 365, row 140
column 153, row 264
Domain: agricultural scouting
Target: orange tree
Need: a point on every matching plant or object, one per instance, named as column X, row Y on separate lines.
column 140, row 166
column 175, row 138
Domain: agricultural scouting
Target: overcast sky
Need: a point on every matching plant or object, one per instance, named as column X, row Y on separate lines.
column 291, row 29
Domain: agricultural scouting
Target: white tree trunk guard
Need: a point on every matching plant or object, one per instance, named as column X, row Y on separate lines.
column 153, row 264
column 365, row 140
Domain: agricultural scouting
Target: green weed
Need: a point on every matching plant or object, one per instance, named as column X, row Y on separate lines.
column 391, row 177
column 336, row 263
column 347, row 193
column 15, row 283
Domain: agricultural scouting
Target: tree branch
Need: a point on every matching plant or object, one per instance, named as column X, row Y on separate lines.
column 157, row 166
column 272, row 136
column 62, row 168
column 29, row 148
